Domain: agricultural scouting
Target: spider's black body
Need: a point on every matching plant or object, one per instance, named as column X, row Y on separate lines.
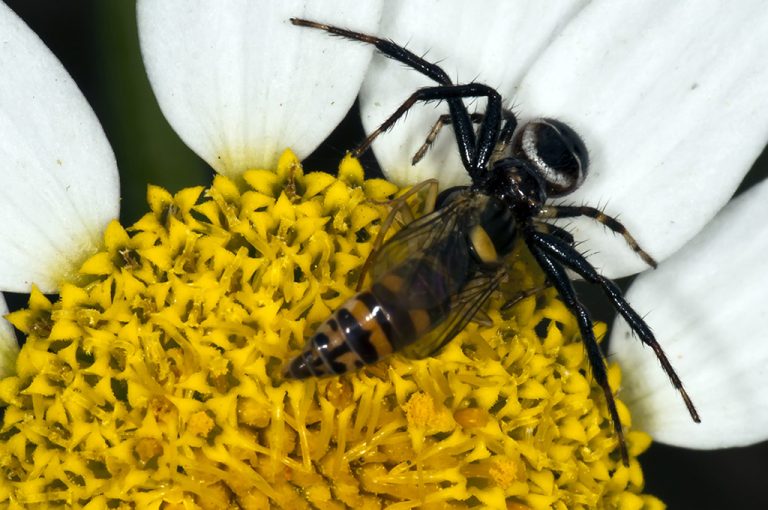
column 514, row 170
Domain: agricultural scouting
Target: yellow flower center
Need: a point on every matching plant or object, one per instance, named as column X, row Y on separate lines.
column 157, row 382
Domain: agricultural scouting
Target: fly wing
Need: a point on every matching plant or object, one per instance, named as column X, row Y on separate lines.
column 433, row 229
column 463, row 308
column 426, row 271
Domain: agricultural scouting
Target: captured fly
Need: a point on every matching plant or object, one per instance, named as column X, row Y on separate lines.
column 431, row 277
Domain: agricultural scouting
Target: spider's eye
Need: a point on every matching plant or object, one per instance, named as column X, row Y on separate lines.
column 555, row 151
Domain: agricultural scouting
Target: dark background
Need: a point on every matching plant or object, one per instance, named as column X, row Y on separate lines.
column 98, row 44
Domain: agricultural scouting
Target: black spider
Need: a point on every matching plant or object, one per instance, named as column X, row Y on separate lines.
column 520, row 168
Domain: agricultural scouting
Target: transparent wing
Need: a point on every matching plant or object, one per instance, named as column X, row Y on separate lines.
column 423, row 234
column 463, row 308
column 428, row 266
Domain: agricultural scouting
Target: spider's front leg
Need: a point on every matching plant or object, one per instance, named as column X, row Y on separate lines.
column 474, row 155
column 465, row 135
column 476, row 150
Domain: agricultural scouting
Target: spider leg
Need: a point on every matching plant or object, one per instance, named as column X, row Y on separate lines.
column 565, row 211
column 500, row 150
column 489, row 129
column 465, row 135
column 443, row 120
column 565, row 254
column 557, row 275
column 559, row 232
column 548, row 229
column 510, row 123
column 475, row 151
column 386, row 47
column 400, row 208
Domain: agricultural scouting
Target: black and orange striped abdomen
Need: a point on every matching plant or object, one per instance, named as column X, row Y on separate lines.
column 373, row 324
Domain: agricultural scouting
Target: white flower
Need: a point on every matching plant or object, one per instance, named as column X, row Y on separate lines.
column 671, row 99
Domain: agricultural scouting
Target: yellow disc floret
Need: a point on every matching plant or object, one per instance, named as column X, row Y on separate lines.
column 157, row 383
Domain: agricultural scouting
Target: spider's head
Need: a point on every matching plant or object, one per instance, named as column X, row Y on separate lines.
column 555, row 152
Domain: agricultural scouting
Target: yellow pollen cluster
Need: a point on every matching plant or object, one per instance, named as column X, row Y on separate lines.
column 156, row 383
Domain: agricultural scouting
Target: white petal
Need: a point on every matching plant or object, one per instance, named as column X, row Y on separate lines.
column 58, row 177
column 488, row 41
column 239, row 83
column 9, row 347
column 671, row 98
column 708, row 305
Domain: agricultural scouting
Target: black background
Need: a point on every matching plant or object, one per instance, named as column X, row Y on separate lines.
column 97, row 43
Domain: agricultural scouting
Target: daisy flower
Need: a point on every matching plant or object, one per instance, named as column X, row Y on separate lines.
column 154, row 379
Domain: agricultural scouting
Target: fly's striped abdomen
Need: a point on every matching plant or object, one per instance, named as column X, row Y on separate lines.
column 416, row 306
column 358, row 333
column 374, row 323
